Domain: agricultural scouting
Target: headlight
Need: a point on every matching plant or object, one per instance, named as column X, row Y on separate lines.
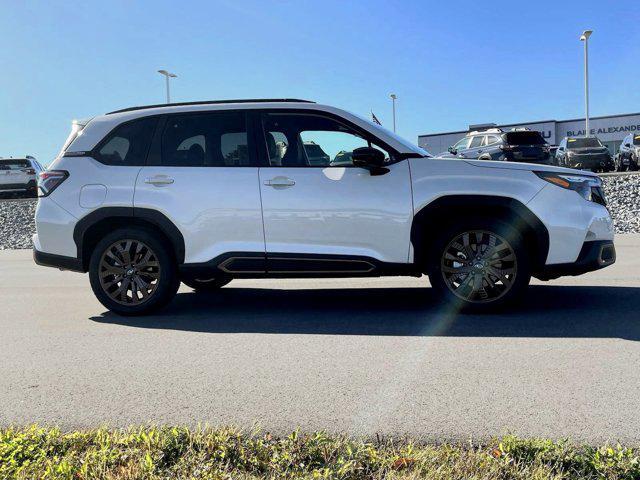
column 588, row 187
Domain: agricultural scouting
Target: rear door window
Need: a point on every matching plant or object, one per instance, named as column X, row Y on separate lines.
column 128, row 144
column 217, row 139
column 491, row 139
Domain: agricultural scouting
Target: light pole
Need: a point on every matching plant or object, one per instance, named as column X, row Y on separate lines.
column 393, row 99
column 585, row 38
column 167, row 75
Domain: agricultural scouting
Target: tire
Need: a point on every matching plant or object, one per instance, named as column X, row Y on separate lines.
column 502, row 277
column 115, row 262
column 633, row 163
column 206, row 285
column 619, row 166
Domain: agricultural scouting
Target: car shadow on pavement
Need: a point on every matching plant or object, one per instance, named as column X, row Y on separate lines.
column 547, row 311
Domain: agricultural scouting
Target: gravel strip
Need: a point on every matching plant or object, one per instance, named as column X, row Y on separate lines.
column 623, row 201
column 623, row 197
column 16, row 223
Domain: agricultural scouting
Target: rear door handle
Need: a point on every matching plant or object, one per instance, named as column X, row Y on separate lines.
column 281, row 182
column 159, row 180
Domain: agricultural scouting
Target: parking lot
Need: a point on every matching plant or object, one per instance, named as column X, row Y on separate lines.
column 360, row 356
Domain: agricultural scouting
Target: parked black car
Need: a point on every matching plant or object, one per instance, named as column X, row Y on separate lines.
column 629, row 153
column 517, row 145
column 584, row 153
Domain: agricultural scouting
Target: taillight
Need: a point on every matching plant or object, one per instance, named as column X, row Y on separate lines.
column 29, row 171
column 50, row 180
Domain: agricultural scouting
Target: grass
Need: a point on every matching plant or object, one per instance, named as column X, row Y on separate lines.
column 181, row 453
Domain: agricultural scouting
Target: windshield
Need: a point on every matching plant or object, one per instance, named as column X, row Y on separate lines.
column 524, row 138
column 585, row 142
column 10, row 164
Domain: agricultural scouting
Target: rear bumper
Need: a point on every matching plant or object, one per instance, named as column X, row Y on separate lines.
column 515, row 156
column 57, row 261
column 593, row 256
column 15, row 187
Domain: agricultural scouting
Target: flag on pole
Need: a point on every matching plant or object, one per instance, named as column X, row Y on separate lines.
column 375, row 119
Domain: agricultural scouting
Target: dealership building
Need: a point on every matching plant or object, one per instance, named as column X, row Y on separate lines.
column 611, row 130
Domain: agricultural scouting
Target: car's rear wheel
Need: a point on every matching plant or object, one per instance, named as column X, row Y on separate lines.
column 620, row 167
column 204, row 284
column 132, row 272
column 480, row 265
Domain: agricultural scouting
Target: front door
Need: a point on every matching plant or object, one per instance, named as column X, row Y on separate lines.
column 206, row 183
column 319, row 209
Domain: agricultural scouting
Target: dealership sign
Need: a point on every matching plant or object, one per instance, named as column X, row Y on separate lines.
column 602, row 131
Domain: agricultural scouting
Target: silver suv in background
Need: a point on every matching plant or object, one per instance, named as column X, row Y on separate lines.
column 629, row 153
column 19, row 175
column 514, row 145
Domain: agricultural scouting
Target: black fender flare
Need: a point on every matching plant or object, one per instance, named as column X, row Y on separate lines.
column 150, row 216
column 445, row 210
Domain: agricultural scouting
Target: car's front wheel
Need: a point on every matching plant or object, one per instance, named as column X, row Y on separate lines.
column 132, row 272
column 479, row 265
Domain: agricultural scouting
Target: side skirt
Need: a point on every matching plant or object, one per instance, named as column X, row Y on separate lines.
column 289, row 265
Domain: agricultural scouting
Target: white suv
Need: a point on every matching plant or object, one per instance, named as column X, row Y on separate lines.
column 19, row 175
column 205, row 192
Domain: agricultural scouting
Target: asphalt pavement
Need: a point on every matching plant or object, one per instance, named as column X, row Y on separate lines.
column 354, row 356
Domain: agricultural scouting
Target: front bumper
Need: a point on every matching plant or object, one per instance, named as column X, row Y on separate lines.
column 594, row 255
column 590, row 161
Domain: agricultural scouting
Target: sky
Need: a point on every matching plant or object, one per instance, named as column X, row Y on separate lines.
column 451, row 64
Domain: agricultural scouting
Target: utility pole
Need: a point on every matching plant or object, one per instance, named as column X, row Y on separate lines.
column 393, row 100
column 167, row 75
column 585, row 38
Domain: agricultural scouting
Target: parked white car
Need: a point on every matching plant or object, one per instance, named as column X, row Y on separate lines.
column 19, row 175
column 206, row 192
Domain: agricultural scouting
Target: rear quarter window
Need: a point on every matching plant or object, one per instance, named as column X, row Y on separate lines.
column 128, row 144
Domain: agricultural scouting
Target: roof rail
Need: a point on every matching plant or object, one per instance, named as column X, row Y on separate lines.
column 214, row 102
column 488, row 130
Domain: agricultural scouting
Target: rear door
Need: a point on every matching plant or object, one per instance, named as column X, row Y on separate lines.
column 202, row 174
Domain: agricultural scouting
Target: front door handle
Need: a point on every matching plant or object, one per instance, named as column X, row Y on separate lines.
column 159, row 180
column 280, row 182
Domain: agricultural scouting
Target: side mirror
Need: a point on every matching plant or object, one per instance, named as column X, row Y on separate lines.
column 370, row 158
column 452, row 150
